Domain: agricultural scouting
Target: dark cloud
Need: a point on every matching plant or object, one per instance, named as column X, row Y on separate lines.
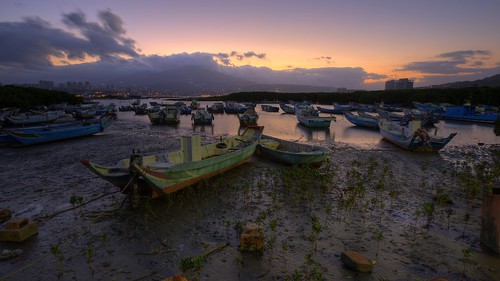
column 326, row 59
column 27, row 47
column 225, row 59
column 31, row 42
column 451, row 63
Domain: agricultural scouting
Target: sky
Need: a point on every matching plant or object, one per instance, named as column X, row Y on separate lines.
column 357, row 44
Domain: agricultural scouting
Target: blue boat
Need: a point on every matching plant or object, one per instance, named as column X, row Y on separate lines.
column 411, row 136
column 43, row 134
column 234, row 108
column 291, row 152
column 468, row 113
column 216, row 107
column 287, row 108
column 308, row 118
column 329, row 110
column 362, row 119
column 427, row 107
column 269, row 108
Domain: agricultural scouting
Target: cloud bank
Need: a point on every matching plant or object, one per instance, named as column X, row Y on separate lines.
column 454, row 66
column 101, row 52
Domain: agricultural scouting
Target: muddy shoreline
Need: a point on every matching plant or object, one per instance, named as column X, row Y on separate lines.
column 371, row 201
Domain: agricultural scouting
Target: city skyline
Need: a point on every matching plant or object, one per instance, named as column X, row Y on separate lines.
column 356, row 44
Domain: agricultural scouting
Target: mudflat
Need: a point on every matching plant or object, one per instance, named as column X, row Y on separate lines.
column 412, row 214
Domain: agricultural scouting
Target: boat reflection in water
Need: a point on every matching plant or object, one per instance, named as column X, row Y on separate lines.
column 314, row 134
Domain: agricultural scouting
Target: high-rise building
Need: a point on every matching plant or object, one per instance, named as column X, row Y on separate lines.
column 401, row 84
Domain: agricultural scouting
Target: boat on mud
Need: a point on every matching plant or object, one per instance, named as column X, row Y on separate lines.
column 157, row 175
column 33, row 117
column 411, row 136
column 202, row 117
column 269, row 108
column 291, row 152
column 63, row 131
column 470, row 114
column 287, row 108
column 362, row 119
column 249, row 117
column 170, row 114
column 216, row 107
column 308, row 116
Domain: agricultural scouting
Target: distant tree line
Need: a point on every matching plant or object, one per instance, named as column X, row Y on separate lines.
column 27, row 97
column 476, row 95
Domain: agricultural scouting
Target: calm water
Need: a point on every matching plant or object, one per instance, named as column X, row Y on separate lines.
column 286, row 126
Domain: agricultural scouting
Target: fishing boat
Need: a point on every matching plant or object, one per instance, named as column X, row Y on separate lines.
column 202, row 117
column 411, row 136
column 340, row 108
column 328, row 110
column 362, row 119
column 216, row 107
column 269, row 108
column 170, row 114
column 469, row 113
column 396, row 116
column 63, row 131
column 194, row 105
column 33, row 117
column 427, row 106
column 249, row 117
column 291, row 152
column 160, row 174
column 234, row 108
column 287, row 108
column 306, row 116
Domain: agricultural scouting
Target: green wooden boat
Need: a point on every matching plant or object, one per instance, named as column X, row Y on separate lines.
column 290, row 152
column 161, row 174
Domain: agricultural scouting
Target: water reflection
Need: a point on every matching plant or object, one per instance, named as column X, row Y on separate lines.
column 314, row 134
column 286, row 126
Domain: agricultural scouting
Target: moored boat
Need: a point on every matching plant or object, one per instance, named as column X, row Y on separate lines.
column 31, row 118
column 216, row 107
column 362, row 119
column 160, row 174
column 307, row 117
column 170, row 114
column 287, row 108
column 269, row 108
column 202, row 117
column 63, row 131
column 249, row 117
column 468, row 113
column 290, row 152
column 411, row 136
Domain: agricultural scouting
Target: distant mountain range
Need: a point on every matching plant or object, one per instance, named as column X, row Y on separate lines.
column 189, row 80
column 492, row 81
column 196, row 80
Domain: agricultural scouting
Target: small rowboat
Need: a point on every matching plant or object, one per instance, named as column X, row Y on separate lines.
column 290, row 152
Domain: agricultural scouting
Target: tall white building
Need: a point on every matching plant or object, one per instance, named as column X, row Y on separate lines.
column 401, row 84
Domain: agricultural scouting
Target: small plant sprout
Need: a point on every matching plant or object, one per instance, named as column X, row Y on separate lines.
column 465, row 256
column 449, row 212
column 378, row 235
column 89, row 254
column 54, row 249
column 466, row 219
column 316, row 229
column 192, row 266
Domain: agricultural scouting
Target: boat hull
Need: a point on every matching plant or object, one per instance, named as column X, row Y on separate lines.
column 419, row 140
column 147, row 175
column 291, row 153
column 361, row 121
column 39, row 135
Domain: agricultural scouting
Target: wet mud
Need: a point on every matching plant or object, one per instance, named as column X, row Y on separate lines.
column 374, row 201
